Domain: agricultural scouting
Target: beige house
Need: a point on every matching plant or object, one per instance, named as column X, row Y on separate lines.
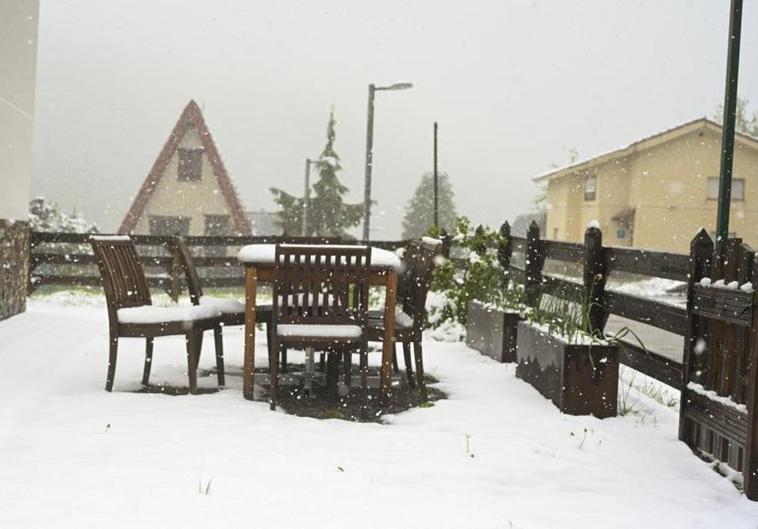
column 188, row 190
column 657, row 192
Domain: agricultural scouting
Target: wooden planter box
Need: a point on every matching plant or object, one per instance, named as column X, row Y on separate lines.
column 563, row 372
column 492, row 332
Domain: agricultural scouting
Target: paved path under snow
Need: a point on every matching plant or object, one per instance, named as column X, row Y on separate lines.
column 72, row 455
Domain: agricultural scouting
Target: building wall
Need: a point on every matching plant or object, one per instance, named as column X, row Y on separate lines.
column 667, row 186
column 18, row 67
column 187, row 199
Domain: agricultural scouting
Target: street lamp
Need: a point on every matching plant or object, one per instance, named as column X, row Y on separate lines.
column 370, row 147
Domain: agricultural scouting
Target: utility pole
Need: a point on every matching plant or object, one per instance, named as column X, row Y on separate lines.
column 727, row 135
column 307, row 196
column 436, row 183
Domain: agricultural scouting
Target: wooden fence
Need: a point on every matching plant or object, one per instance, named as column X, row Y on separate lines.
column 597, row 262
column 65, row 259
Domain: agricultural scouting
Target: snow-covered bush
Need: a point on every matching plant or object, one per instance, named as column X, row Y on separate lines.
column 47, row 216
column 476, row 274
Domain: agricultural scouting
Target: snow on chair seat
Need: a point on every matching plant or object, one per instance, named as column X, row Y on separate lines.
column 311, row 330
column 153, row 314
column 223, row 305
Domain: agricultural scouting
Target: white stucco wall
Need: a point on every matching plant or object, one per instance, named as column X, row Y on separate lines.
column 18, row 72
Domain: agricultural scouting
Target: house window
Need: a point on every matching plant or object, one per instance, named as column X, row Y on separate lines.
column 215, row 226
column 738, row 188
column 190, row 164
column 167, row 225
column 621, row 233
column 590, row 186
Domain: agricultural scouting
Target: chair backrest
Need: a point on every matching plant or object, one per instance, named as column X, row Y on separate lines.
column 414, row 282
column 123, row 278
column 313, row 284
column 183, row 255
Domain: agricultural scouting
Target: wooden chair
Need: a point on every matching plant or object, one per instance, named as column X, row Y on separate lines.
column 312, row 306
column 132, row 315
column 232, row 311
column 413, row 287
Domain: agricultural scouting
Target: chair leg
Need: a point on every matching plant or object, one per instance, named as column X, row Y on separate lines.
column 420, row 370
column 364, row 369
column 218, row 338
column 148, row 361
column 408, row 364
column 273, row 373
column 332, row 374
column 347, row 367
column 283, row 367
column 395, row 366
column 322, row 362
column 113, row 353
column 194, row 339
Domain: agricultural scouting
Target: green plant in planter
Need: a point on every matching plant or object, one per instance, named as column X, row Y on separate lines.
column 571, row 322
column 473, row 272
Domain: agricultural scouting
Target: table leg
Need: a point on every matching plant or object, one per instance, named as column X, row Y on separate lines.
column 248, row 369
column 388, row 344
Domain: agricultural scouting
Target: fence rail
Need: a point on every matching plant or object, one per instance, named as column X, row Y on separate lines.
column 598, row 261
column 64, row 259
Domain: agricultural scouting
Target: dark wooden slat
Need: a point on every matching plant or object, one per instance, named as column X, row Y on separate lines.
column 555, row 286
column 661, row 315
column 89, row 259
column 85, row 280
column 726, row 420
column 651, row 364
column 729, row 305
column 563, row 251
column 657, row 264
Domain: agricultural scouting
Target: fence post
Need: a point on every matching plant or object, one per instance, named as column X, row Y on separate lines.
column 701, row 252
column 447, row 242
column 534, row 259
column 504, row 251
column 594, row 279
column 750, row 470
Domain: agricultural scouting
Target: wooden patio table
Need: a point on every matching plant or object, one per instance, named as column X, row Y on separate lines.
column 258, row 260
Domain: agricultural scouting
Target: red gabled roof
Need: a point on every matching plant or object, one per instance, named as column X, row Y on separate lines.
column 191, row 117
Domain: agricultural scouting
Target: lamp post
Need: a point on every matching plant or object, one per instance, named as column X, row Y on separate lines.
column 436, row 183
column 727, row 134
column 307, row 195
column 372, row 89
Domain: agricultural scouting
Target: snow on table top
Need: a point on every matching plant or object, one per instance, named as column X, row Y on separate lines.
column 265, row 253
column 128, row 460
column 154, row 314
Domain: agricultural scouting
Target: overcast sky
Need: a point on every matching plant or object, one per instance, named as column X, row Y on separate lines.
column 514, row 85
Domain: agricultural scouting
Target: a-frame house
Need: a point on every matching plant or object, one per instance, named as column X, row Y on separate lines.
column 188, row 190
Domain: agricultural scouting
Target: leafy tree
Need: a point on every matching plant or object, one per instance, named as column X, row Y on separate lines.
column 745, row 123
column 419, row 212
column 328, row 214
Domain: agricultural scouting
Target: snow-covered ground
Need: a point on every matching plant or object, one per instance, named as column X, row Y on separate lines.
column 494, row 455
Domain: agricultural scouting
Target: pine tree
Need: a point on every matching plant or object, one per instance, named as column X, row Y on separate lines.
column 328, row 215
column 419, row 212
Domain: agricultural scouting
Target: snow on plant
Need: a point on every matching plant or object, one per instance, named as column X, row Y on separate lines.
column 477, row 275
